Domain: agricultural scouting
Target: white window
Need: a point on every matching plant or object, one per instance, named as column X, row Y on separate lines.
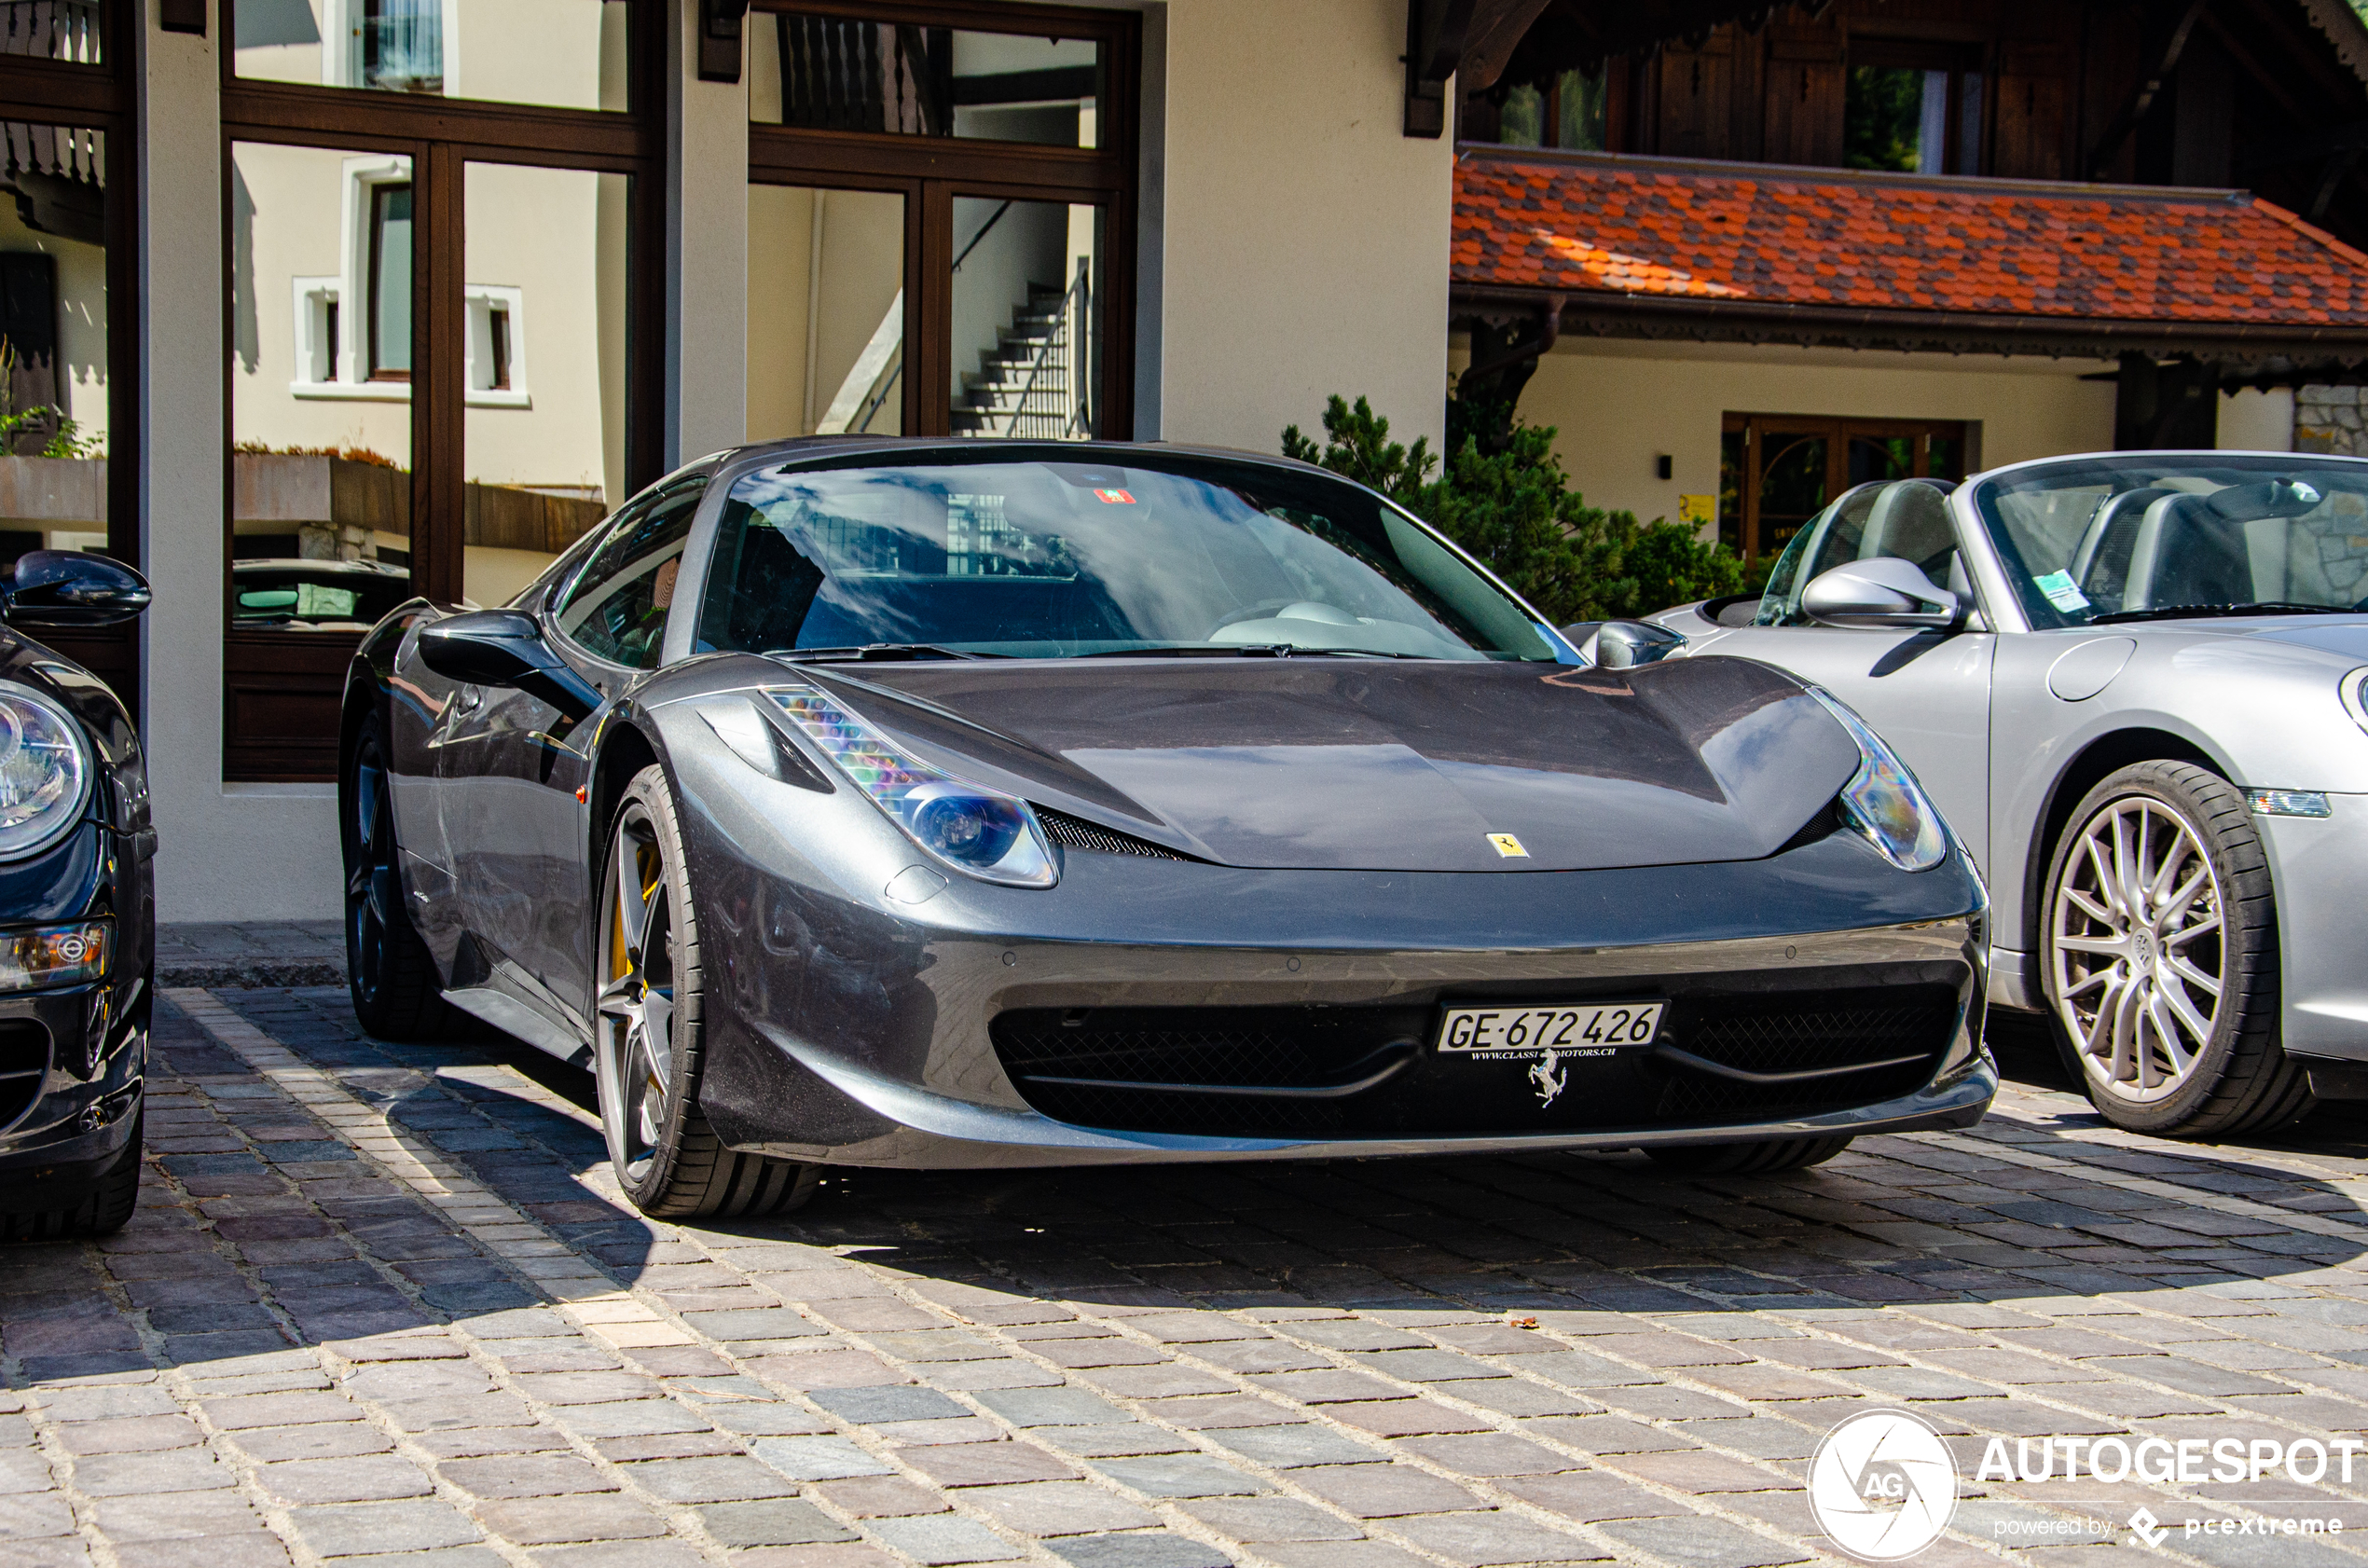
column 353, row 331
column 497, row 347
column 316, row 333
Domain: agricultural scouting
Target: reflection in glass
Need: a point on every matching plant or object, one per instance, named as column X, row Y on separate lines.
column 838, row 74
column 1792, row 484
column 826, row 312
column 391, row 283
column 321, row 487
column 544, row 286
column 68, row 30
column 1027, row 338
column 567, row 54
column 53, row 341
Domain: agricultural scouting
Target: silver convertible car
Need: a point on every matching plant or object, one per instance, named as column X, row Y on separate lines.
column 957, row 805
column 2132, row 681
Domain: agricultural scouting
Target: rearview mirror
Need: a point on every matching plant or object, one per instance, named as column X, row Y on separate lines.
column 1883, row 593
column 67, row 588
column 1621, row 644
column 505, row 647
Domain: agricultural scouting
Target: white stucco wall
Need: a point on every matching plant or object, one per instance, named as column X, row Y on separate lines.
column 1619, row 405
column 1303, row 237
column 223, row 851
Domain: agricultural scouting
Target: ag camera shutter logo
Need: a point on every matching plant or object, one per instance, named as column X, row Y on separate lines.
column 1882, row 1485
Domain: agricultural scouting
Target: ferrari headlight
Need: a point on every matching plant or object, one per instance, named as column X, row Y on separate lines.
column 979, row 832
column 45, row 772
column 53, row 956
column 1883, row 801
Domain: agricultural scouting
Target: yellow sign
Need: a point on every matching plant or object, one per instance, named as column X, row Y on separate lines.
column 1508, row 847
column 1698, row 509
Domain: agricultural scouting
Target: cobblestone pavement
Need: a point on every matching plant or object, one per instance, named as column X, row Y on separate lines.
column 382, row 1305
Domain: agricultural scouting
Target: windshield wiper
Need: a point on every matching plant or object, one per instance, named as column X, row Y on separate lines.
column 871, row 652
column 2181, row 611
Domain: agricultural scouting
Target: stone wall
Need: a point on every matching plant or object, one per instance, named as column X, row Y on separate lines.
column 2329, row 420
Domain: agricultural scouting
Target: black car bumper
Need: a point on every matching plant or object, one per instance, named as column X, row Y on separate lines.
column 75, row 1056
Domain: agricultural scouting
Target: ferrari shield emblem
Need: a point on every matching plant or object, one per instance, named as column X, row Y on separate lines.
column 1508, row 847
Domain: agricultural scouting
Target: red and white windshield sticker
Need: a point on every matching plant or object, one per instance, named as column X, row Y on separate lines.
column 1115, row 498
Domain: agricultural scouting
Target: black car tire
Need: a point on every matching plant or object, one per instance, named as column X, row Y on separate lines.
column 2239, row 1080
column 102, row 1211
column 1763, row 1158
column 397, row 994
column 650, row 1038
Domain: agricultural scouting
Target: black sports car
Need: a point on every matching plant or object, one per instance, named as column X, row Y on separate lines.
column 78, row 903
column 913, row 803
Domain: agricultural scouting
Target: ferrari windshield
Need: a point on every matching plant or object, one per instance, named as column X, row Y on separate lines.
column 2149, row 536
column 1039, row 559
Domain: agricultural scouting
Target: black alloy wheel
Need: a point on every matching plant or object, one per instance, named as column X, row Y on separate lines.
column 649, row 1046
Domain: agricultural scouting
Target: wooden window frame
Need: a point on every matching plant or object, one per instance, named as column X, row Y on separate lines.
column 1839, row 432
column 441, row 136
column 929, row 171
column 101, row 98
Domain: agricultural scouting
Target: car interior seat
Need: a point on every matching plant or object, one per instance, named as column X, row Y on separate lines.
column 2100, row 562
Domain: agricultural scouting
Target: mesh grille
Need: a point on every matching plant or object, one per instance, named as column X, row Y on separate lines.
column 1075, row 832
column 1282, row 1048
column 25, row 1063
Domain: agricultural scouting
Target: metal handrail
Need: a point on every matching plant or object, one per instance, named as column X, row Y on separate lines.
column 1078, row 292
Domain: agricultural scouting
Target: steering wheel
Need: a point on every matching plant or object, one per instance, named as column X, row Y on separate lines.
column 1264, row 609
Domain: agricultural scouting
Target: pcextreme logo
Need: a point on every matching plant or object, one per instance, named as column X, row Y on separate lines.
column 1882, row 1485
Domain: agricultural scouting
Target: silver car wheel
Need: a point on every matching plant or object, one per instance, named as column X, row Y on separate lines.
column 636, row 1002
column 2135, row 948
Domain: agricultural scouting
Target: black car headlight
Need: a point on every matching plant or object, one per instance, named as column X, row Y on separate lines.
column 45, row 772
column 1883, row 801
column 977, row 831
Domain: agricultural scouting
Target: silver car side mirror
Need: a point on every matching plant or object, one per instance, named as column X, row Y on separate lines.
column 1621, row 644
column 1884, row 593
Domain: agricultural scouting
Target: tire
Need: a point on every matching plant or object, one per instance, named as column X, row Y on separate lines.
column 102, row 1211
column 1747, row 1158
column 2168, row 1018
column 650, row 1040
column 397, row 994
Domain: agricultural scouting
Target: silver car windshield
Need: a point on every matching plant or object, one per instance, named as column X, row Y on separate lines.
column 2159, row 536
column 1038, row 559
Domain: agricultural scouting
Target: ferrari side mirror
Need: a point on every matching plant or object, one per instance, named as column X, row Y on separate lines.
column 68, row 588
column 505, row 647
column 1620, row 645
column 1884, row 593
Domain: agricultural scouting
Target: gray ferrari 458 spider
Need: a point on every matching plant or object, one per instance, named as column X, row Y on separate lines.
column 2133, row 680
column 932, row 803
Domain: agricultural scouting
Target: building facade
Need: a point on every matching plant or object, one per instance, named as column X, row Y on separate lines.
column 308, row 306
column 315, row 304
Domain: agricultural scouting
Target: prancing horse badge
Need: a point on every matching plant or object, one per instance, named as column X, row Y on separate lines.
column 1508, row 847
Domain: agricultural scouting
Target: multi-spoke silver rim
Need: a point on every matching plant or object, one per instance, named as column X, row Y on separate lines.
column 374, row 888
column 636, row 1004
column 2138, row 949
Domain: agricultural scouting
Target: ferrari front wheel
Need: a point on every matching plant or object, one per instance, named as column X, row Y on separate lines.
column 2160, row 957
column 396, row 992
column 650, row 1037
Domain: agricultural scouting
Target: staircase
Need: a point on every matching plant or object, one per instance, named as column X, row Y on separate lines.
column 1033, row 383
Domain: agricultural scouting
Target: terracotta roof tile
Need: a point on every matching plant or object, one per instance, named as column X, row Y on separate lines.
column 2098, row 252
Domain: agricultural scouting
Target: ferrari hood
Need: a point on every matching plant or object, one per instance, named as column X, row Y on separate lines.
column 1373, row 765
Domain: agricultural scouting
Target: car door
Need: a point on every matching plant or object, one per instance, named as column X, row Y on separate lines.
column 510, row 769
column 1926, row 693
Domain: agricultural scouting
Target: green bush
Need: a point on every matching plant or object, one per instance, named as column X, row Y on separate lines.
column 1514, row 510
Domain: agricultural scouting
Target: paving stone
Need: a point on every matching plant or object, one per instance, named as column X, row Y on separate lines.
column 817, row 1459
column 117, row 1475
column 536, row 1521
column 986, row 1463
column 1704, row 1543
column 352, row 1530
column 526, row 1476
column 1384, row 1490
column 1050, row 1407
column 1056, row 1507
column 1475, row 1540
column 1292, row 1446
column 944, row 1538
column 1139, row 1551
column 354, row 1479
column 717, row 1480
column 770, row 1522
column 882, row 1496
column 1181, row 1475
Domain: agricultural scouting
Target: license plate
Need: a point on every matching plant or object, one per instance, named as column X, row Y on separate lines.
column 1496, row 1034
